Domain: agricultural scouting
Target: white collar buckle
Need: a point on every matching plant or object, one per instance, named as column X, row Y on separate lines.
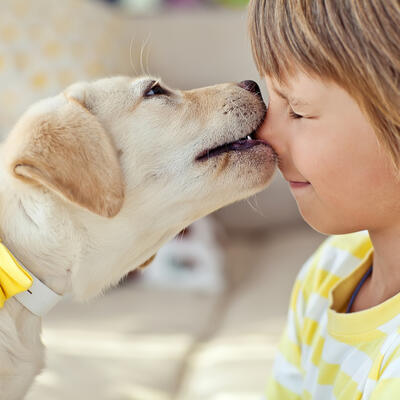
column 39, row 298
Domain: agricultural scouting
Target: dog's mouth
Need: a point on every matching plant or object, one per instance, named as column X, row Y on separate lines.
column 242, row 144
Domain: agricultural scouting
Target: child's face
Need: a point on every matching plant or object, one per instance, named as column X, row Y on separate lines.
column 346, row 180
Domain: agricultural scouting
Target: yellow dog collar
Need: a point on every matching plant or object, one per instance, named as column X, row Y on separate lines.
column 16, row 281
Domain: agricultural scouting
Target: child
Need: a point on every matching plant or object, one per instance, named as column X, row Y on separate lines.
column 332, row 69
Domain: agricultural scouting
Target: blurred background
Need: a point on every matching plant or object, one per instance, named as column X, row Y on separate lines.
column 203, row 321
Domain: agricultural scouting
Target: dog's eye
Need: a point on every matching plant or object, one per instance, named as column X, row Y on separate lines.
column 155, row 91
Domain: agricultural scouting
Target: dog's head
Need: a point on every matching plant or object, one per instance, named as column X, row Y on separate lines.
column 141, row 160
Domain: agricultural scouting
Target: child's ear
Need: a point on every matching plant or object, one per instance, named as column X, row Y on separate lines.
column 67, row 150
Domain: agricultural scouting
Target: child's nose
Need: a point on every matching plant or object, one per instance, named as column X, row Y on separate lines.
column 264, row 131
column 271, row 133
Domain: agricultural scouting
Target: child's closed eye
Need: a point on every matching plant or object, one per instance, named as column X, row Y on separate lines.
column 294, row 115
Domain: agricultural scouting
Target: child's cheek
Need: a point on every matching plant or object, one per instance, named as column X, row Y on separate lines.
column 307, row 159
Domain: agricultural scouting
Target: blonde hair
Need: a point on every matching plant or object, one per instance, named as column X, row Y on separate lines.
column 354, row 43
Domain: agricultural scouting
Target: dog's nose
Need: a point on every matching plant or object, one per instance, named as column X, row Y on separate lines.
column 251, row 86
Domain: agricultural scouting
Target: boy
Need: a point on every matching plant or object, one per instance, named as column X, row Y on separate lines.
column 332, row 68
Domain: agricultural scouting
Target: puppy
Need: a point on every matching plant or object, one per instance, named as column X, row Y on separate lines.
column 93, row 181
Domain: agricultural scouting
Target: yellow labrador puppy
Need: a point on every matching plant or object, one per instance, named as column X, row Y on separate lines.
column 93, row 181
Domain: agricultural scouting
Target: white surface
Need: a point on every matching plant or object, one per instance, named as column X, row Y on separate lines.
column 192, row 262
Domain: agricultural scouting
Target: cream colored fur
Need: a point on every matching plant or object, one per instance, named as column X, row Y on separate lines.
column 93, row 181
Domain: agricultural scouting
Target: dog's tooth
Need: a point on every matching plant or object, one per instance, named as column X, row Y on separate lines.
column 248, row 137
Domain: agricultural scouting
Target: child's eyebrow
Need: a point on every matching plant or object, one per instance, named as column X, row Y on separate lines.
column 294, row 101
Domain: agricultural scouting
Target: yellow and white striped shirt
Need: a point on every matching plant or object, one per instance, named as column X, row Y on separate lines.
column 327, row 354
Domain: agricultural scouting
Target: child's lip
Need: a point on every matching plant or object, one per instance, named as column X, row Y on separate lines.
column 294, row 182
column 298, row 184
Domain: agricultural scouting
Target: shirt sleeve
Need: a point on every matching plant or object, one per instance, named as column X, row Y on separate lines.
column 386, row 389
column 286, row 382
column 387, row 386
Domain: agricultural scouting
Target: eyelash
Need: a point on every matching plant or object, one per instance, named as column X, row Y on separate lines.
column 156, row 89
column 293, row 115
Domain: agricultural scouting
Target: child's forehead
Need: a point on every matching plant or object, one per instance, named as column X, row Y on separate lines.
column 297, row 85
column 286, row 94
column 311, row 94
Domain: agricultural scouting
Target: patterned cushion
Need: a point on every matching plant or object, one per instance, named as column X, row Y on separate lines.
column 45, row 45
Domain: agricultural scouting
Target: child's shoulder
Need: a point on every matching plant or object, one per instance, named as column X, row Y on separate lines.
column 335, row 258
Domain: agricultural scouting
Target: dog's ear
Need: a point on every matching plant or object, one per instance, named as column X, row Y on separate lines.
column 67, row 150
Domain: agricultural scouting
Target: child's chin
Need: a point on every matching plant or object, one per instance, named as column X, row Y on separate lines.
column 333, row 229
column 328, row 225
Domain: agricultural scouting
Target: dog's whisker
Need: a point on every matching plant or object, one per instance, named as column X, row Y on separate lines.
column 257, row 205
column 147, row 61
column 142, row 53
column 279, row 161
column 251, row 205
column 246, row 120
column 131, row 56
column 255, row 208
column 148, row 57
